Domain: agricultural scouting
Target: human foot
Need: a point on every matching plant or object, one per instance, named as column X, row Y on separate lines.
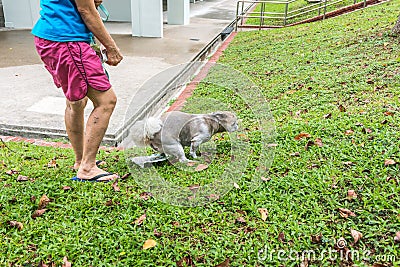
column 95, row 174
column 78, row 164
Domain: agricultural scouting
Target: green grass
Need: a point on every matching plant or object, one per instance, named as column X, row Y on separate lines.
column 351, row 61
column 276, row 12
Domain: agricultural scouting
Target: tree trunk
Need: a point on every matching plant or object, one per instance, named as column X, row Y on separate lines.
column 396, row 28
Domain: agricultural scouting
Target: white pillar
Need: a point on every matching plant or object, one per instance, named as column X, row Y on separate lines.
column 147, row 18
column 178, row 12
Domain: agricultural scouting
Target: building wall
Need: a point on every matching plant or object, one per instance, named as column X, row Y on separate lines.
column 21, row 14
column 120, row 10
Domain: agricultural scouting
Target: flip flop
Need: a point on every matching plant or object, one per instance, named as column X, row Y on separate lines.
column 100, row 162
column 95, row 178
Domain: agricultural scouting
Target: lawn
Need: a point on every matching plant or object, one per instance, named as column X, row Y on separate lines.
column 274, row 12
column 332, row 88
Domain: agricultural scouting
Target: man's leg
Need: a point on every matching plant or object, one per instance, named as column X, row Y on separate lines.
column 104, row 103
column 74, row 123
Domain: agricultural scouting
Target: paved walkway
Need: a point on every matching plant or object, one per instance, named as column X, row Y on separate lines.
column 31, row 106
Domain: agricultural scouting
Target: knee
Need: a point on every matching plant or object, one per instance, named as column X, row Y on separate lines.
column 76, row 106
column 110, row 104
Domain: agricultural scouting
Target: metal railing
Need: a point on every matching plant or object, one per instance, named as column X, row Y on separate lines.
column 314, row 8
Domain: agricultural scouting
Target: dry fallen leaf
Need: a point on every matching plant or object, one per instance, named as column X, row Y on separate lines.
column 318, row 142
column 11, row 172
column 397, row 237
column 145, row 195
column 272, row 145
column 366, row 130
column 316, row 239
column 38, row 213
column 149, row 243
column 201, row 167
column 302, row 135
column 109, row 203
column 241, row 220
column 264, row 213
column 191, row 163
column 16, row 224
column 22, row 178
column 44, row 200
column 304, row 263
column 370, row 81
column 66, row 263
column 281, row 237
column 213, row 197
column 345, row 213
column 342, row 108
column 389, row 162
column 349, row 163
column 186, row 261
column 52, row 163
column 224, row 264
column 156, row 233
column 265, row 179
column 309, row 143
column 115, row 186
column 140, row 220
column 351, row 194
column 125, row 176
column 356, row 235
column 349, row 132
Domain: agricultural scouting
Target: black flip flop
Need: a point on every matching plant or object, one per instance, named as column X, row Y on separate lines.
column 94, row 179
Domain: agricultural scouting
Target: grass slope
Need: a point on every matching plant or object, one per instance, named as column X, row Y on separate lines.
column 347, row 67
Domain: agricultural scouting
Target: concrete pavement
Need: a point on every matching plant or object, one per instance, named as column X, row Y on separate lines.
column 31, row 106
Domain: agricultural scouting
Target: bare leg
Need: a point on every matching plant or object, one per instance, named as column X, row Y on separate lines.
column 74, row 123
column 104, row 103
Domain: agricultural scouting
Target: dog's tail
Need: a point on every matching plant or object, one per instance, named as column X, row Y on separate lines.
column 143, row 131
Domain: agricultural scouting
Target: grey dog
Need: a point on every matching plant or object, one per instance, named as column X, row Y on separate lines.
column 175, row 130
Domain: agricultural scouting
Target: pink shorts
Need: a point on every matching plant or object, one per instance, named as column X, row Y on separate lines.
column 74, row 66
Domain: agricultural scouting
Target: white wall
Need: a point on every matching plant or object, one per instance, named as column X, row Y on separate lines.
column 21, row 14
column 120, row 10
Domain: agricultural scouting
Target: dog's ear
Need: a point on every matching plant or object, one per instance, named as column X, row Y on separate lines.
column 221, row 115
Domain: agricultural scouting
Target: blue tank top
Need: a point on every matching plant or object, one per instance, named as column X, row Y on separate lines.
column 60, row 21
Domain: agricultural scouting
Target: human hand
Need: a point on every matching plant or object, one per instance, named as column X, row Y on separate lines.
column 97, row 3
column 114, row 56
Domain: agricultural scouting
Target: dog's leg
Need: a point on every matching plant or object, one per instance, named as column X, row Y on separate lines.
column 193, row 148
column 175, row 150
column 196, row 142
